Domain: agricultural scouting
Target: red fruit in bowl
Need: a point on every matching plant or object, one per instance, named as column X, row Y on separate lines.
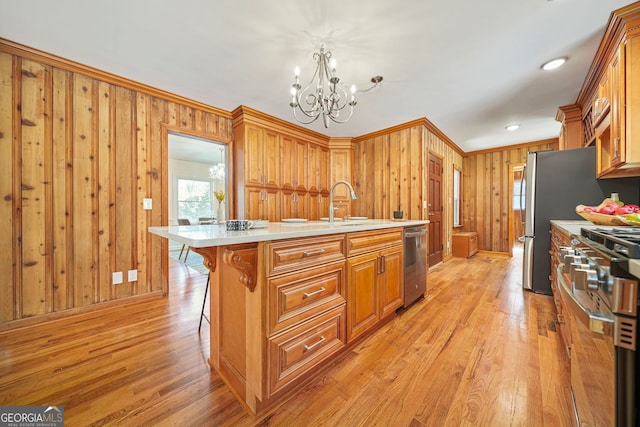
column 609, row 209
column 624, row 210
column 635, row 208
column 590, row 209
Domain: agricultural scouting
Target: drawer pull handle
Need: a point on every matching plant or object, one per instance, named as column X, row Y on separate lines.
column 310, row 294
column 313, row 253
column 312, row 346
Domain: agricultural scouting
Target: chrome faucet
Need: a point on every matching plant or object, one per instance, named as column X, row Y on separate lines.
column 331, row 208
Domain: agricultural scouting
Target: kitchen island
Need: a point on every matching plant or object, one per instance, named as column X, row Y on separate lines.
column 286, row 300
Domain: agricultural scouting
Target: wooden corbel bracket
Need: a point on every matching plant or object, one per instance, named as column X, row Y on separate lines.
column 243, row 258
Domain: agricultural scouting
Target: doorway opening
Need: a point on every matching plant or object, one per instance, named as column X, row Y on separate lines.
column 517, row 190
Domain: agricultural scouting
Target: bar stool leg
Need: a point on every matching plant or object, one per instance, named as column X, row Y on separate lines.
column 204, row 302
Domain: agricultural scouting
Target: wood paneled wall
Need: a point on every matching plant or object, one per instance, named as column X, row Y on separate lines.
column 487, row 194
column 390, row 172
column 79, row 150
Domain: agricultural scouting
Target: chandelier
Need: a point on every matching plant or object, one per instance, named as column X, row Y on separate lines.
column 325, row 97
column 217, row 171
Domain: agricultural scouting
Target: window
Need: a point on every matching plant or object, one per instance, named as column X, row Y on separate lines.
column 519, row 190
column 457, row 198
column 194, row 199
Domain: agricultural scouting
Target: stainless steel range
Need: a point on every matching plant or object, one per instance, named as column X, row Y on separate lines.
column 599, row 283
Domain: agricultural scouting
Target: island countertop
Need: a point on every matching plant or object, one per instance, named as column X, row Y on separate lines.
column 207, row 235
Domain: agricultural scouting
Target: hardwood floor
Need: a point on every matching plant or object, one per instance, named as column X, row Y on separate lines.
column 478, row 351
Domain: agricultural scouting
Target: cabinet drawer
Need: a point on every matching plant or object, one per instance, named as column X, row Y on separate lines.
column 296, row 297
column 299, row 349
column 295, row 254
column 369, row 241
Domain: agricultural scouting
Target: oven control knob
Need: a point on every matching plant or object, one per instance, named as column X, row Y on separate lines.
column 569, row 260
column 584, row 279
column 594, row 261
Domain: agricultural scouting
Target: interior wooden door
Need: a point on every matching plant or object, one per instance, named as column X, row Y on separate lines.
column 434, row 209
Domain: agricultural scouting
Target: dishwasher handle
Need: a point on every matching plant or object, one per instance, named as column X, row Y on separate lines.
column 415, row 232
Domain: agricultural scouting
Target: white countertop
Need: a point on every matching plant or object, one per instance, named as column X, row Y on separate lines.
column 200, row 236
column 574, row 226
column 571, row 226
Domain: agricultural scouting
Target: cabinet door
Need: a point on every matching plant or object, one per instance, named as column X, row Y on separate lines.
column 617, row 90
column 316, row 206
column 362, row 299
column 391, row 281
column 293, row 205
column 288, row 162
column 293, row 164
column 271, row 205
column 254, row 199
column 313, row 178
column 323, row 169
column 271, row 158
column 262, row 203
column 253, row 173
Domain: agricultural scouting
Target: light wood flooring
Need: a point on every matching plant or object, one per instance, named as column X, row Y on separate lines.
column 478, row 351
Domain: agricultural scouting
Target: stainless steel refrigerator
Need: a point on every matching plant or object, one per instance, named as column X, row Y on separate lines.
column 556, row 182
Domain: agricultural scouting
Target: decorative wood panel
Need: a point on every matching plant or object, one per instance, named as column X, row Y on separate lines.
column 486, row 192
column 79, row 150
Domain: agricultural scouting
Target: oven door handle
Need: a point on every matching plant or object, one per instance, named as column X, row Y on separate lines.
column 597, row 321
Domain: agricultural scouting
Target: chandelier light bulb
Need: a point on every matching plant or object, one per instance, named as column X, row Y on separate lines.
column 296, row 71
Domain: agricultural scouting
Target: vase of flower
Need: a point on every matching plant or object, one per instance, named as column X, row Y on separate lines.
column 221, row 211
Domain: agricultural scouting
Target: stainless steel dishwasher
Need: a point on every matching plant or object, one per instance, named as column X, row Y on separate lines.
column 415, row 263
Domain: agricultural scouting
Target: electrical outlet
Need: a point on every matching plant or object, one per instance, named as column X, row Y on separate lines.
column 424, row 204
column 116, row 277
column 132, row 276
column 147, row 204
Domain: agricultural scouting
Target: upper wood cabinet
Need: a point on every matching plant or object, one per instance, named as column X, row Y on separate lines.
column 318, row 170
column 281, row 170
column 571, row 132
column 615, row 132
column 261, row 157
column 294, row 165
column 610, row 96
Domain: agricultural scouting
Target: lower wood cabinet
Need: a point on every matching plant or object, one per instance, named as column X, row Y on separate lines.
column 280, row 310
column 375, row 280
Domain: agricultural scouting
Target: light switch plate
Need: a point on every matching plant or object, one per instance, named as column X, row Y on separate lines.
column 132, row 276
column 147, row 204
column 116, row 277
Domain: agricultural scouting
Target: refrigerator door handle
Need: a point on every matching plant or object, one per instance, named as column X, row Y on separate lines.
column 522, row 175
column 527, row 265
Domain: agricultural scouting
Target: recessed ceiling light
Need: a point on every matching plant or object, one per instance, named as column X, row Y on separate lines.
column 554, row 63
column 512, row 127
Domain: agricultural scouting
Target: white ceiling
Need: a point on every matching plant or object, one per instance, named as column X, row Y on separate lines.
column 470, row 67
